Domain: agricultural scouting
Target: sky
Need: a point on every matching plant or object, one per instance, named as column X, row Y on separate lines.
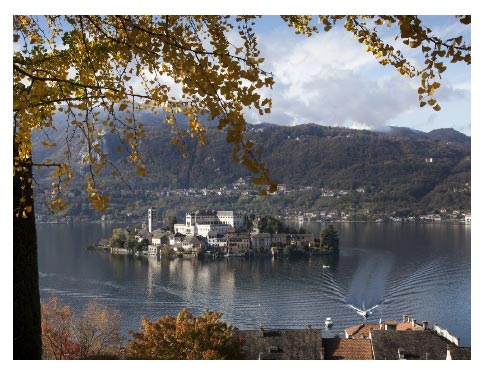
column 329, row 79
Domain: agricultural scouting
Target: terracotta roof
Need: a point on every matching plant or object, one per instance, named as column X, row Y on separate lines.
column 347, row 349
column 281, row 344
column 358, row 330
column 402, row 326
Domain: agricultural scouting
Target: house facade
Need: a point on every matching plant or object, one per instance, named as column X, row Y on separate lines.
column 238, row 244
column 261, row 240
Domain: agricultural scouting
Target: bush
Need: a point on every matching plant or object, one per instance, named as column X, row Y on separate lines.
column 167, row 251
column 185, row 338
column 66, row 336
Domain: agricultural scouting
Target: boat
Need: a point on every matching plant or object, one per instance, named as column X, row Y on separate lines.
column 363, row 312
column 326, row 266
column 328, row 322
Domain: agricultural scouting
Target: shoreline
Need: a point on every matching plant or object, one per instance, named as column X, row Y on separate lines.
column 445, row 221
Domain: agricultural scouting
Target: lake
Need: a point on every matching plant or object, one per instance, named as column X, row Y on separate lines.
column 421, row 270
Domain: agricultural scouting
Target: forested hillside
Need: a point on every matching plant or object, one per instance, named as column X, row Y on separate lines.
column 397, row 170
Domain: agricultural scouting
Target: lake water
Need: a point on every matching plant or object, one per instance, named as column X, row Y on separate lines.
column 422, row 270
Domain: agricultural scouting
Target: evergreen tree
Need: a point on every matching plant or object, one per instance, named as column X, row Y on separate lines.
column 173, row 222
column 247, row 225
column 329, row 239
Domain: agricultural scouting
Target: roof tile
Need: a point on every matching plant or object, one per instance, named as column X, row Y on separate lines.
column 347, row 349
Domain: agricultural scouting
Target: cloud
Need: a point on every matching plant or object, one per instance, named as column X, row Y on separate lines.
column 328, row 79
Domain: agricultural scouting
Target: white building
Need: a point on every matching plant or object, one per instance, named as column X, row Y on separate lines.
column 204, row 222
column 231, row 218
column 153, row 250
column 151, row 219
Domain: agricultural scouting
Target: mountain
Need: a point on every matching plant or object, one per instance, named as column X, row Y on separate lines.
column 448, row 135
column 397, row 170
column 404, row 131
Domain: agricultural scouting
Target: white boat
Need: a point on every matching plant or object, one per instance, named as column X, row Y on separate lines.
column 326, row 266
column 328, row 322
column 363, row 312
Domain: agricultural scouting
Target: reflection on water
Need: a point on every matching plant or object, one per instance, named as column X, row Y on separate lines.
column 419, row 270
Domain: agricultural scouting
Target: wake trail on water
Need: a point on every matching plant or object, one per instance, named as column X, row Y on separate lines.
column 332, row 289
column 337, row 292
column 428, row 274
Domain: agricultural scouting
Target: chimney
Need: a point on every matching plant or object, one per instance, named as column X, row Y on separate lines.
column 405, row 318
column 401, row 354
column 425, row 325
column 413, row 322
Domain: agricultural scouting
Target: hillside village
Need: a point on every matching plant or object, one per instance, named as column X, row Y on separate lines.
column 349, row 175
column 340, row 208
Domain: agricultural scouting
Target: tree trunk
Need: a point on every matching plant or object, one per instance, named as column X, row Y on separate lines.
column 27, row 341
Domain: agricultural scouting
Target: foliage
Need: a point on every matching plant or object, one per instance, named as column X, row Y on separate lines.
column 270, row 224
column 248, row 223
column 185, row 337
column 289, row 250
column 329, row 239
column 58, row 341
column 131, row 244
column 66, row 336
column 141, row 246
column 261, row 250
column 173, row 222
column 167, row 251
column 97, row 331
column 118, row 238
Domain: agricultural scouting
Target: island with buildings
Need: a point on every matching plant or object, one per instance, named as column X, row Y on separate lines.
column 216, row 233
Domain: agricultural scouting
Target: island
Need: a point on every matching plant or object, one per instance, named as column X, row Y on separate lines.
column 217, row 234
